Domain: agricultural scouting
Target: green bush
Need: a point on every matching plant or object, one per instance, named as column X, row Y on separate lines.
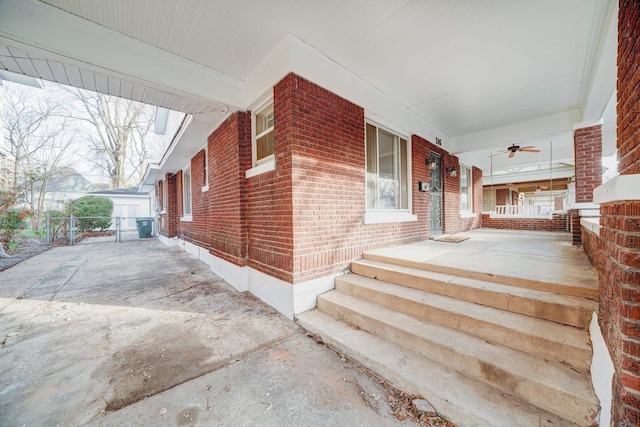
column 12, row 220
column 92, row 212
column 58, row 224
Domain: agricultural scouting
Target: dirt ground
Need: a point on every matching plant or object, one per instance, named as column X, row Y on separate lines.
column 136, row 333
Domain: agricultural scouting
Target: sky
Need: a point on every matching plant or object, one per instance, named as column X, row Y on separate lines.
column 79, row 157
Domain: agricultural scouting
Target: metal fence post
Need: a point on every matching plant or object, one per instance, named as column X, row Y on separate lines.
column 71, row 226
column 48, row 227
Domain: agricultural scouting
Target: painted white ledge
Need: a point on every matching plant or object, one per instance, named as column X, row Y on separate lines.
column 574, row 206
column 619, row 188
column 591, row 224
column 467, row 214
column 388, row 217
column 267, row 166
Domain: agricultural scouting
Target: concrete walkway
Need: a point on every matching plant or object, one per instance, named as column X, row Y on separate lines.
column 135, row 333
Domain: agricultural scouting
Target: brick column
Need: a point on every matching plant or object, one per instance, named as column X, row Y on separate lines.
column 587, row 145
column 618, row 261
column 172, row 205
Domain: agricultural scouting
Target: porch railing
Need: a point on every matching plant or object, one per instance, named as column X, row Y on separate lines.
column 522, row 211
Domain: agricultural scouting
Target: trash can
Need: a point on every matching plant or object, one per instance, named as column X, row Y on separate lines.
column 145, row 227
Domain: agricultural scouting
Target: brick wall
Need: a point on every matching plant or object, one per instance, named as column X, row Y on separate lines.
column 325, row 138
column 588, row 155
column 574, row 226
column 558, row 223
column 616, row 254
column 196, row 231
column 229, row 157
column 304, row 220
column 170, row 218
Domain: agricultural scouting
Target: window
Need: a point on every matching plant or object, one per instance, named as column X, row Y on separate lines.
column 466, row 187
column 387, row 170
column 186, row 191
column 161, row 196
column 205, row 170
column 264, row 135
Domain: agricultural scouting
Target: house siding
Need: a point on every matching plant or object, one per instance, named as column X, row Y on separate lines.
column 614, row 252
column 305, row 219
column 559, row 222
column 197, row 231
column 229, row 150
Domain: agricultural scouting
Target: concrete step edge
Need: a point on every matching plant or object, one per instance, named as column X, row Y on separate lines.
column 528, row 334
column 568, row 289
column 455, row 397
column 571, row 310
column 546, row 384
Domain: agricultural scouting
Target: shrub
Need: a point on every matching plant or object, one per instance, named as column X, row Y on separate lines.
column 92, row 212
column 58, row 224
column 12, row 220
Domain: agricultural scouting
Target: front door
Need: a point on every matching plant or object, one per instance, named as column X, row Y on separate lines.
column 435, row 186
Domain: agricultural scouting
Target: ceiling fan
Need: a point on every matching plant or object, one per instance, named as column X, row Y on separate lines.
column 513, row 149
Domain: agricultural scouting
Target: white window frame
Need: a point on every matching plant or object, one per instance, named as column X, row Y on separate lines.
column 165, row 194
column 268, row 163
column 467, row 213
column 379, row 216
column 187, row 216
column 205, row 187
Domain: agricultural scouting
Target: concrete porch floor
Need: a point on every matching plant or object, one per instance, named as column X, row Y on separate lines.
column 526, row 257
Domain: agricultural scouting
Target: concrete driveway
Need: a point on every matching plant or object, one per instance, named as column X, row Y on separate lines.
column 135, row 333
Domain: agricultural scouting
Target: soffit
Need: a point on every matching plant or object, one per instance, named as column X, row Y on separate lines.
column 462, row 65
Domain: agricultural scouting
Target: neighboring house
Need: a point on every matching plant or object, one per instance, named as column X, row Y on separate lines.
column 282, row 197
column 128, row 204
column 7, row 163
column 65, row 185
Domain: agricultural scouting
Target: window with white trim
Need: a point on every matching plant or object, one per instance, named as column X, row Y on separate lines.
column 205, row 170
column 263, row 141
column 466, row 189
column 186, row 191
column 387, row 170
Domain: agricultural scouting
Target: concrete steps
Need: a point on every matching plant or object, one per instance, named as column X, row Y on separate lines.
column 568, row 310
column 456, row 397
column 566, row 344
column 575, row 288
column 482, row 353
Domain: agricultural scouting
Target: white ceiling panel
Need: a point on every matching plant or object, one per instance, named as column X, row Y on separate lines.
column 455, row 62
column 464, row 66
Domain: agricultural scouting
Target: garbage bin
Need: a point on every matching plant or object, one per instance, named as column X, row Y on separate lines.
column 145, row 227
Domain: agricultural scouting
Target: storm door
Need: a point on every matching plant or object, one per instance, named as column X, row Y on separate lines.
column 435, row 186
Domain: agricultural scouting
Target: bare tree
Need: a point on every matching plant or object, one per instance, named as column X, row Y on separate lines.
column 118, row 135
column 40, row 140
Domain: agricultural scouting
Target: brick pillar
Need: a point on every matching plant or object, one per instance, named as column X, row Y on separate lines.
column 587, row 145
column 172, row 205
column 618, row 261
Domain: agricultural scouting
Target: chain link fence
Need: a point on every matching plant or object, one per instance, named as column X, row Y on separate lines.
column 70, row 230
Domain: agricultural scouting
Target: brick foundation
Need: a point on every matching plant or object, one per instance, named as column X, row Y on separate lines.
column 616, row 252
column 558, row 223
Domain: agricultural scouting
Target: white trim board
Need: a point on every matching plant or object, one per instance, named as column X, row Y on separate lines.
column 619, row 188
column 288, row 299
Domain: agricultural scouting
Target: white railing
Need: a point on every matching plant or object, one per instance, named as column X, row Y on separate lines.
column 522, row 211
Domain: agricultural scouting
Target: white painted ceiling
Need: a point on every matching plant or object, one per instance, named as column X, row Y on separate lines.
column 466, row 66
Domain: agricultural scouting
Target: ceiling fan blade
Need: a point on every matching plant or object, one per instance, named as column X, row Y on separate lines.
column 511, row 154
column 529, row 150
column 527, row 147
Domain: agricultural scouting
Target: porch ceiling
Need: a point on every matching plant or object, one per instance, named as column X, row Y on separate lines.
column 486, row 73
